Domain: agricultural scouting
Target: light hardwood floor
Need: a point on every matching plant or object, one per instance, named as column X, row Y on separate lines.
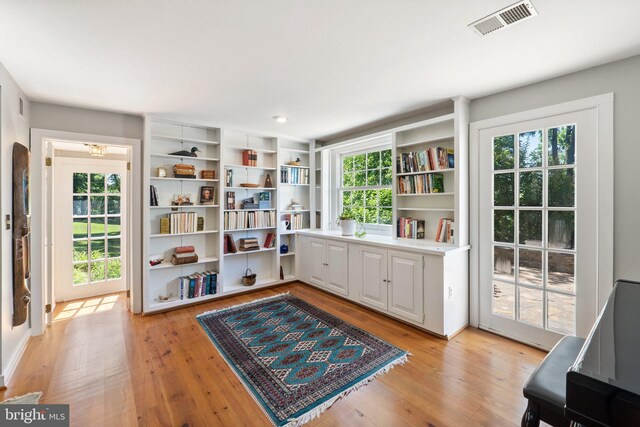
column 117, row 369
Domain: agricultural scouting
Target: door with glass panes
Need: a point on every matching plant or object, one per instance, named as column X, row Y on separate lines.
column 90, row 227
column 538, row 204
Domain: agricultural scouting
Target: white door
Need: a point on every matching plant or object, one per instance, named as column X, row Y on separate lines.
column 317, row 261
column 405, row 285
column 373, row 277
column 337, row 271
column 90, row 203
column 538, row 227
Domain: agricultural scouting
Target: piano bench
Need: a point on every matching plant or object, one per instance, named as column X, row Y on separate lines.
column 546, row 387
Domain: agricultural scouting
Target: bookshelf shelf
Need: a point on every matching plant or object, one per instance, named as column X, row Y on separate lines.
column 248, row 210
column 425, row 194
column 288, row 254
column 168, row 264
column 294, row 166
column 249, row 229
column 294, row 185
column 251, row 188
column 427, row 209
column 190, row 158
column 258, row 150
column 184, row 207
column 183, row 234
column 266, row 168
column 157, row 178
column 184, row 139
column 250, row 252
column 426, row 172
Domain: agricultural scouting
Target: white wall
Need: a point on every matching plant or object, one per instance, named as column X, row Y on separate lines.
column 82, row 120
column 622, row 78
column 14, row 129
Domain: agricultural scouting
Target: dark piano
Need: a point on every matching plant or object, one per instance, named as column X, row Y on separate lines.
column 603, row 385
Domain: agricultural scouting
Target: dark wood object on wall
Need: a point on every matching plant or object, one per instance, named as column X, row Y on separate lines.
column 21, row 233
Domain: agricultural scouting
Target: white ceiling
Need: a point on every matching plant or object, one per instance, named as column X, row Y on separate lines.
column 327, row 65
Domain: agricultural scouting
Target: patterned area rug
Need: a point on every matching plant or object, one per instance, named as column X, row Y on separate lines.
column 295, row 359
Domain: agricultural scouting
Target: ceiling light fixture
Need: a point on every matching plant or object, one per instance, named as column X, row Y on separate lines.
column 97, row 150
column 280, row 119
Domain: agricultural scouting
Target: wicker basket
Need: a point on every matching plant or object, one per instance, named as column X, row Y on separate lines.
column 249, row 278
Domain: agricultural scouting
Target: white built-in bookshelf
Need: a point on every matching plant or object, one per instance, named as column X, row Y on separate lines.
column 220, row 150
column 448, row 198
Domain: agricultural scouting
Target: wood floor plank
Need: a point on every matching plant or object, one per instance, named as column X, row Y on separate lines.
column 115, row 368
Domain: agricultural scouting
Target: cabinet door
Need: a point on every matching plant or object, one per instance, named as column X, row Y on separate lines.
column 317, row 261
column 405, row 285
column 337, row 268
column 373, row 277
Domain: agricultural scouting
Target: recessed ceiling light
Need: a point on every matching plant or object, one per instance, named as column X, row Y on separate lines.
column 280, row 119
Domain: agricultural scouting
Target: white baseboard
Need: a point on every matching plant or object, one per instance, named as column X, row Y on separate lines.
column 13, row 363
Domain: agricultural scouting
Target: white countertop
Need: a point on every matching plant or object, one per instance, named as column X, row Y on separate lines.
column 417, row 245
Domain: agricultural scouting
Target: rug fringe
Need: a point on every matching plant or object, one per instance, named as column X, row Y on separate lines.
column 35, row 395
column 242, row 304
column 318, row 410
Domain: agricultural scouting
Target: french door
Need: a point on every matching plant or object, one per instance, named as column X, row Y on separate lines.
column 538, row 227
column 90, row 227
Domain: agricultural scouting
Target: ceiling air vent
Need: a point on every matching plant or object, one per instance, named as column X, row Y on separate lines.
column 501, row 19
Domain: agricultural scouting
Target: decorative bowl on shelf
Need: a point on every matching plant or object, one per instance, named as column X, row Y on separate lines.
column 249, row 185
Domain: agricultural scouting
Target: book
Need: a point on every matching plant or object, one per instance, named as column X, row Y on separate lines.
column 229, row 244
column 165, row 227
column 185, row 249
column 200, row 224
column 249, row 158
column 270, row 240
column 231, row 200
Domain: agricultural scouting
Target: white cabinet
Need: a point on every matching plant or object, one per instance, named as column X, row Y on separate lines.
column 389, row 280
column 328, row 266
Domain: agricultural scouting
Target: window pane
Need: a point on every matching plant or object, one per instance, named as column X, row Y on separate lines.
column 371, row 197
column 561, row 188
column 113, row 183
column 97, row 271
column 530, row 144
column 503, row 226
column 113, row 226
column 80, row 183
column 97, row 226
column 385, row 198
column 347, row 179
column 561, row 229
column 385, row 215
column 373, row 177
column 346, row 198
column 80, row 228
column 386, row 176
column 562, row 145
column 530, row 267
column 530, row 228
column 503, row 263
column 358, row 213
column 387, row 161
column 113, row 269
column 357, row 198
column 97, row 249
column 373, row 160
column 80, row 205
column 530, row 301
column 347, row 163
column 97, row 205
column 113, row 205
column 360, row 179
column 561, row 313
column 360, row 162
column 80, row 250
column 503, row 152
column 531, row 188
column 80, row 274
column 113, row 248
column 503, row 189
column 503, row 299
column 97, row 183
column 561, row 272
column 371, row 216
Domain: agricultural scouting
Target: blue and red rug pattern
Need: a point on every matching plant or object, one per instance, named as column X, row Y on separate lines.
column 295, row 359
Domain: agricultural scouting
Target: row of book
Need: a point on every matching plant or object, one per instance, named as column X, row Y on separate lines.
column 249, row 219
column 249, row 158
column 154, row 195
column 431, row 159
column 198, row 285
column 296, row 221
column 445, row 232
column 421, row 184
column 294, row 175
column 409, row 228
column 181, row 222
column 251, row 243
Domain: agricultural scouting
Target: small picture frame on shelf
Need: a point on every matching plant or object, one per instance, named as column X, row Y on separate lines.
column 182, row 200
column 207, row 195
column 162, row 172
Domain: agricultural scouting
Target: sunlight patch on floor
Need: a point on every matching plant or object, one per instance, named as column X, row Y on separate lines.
column 83, row 308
